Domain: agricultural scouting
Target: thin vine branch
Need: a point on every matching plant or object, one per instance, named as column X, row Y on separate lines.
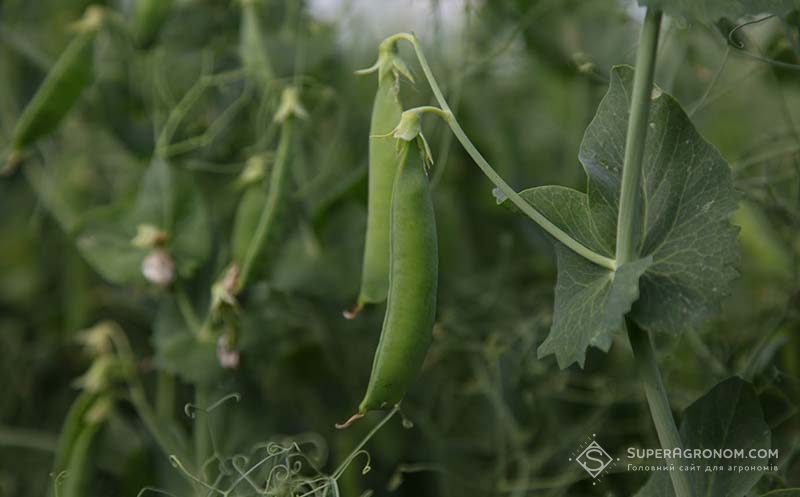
column 489, row 171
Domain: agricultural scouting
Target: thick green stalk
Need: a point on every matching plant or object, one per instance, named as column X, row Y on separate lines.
column 490, row 173
column 650, row 376
column 629, row 220
column 628, row 232
column 202, row 435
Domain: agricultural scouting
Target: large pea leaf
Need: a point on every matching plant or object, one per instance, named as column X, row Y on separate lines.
column 590, row 301
column 729, row 416
column 686, row 245
column 712, row 10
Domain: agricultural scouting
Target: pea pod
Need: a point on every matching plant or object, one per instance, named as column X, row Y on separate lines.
column 78, row 471
column 413, row 275
column 148, row 18
column 252, row 46
column 71, row 429
column 386, row 111
column 259, row 215
column 83, row 422
column 61, row 87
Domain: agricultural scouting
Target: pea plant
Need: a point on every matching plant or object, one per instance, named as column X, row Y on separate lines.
column 648, row 248
column 219, row 199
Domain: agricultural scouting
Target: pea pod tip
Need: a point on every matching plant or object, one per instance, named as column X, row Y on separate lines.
column 12, row 163
column 353, row 313
column 352, row 419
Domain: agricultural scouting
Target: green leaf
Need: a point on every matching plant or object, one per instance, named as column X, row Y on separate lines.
column 105, row 244
column 688, row 199
column 590, row 301
column 167, row 198
column 729, row 416
column 686, row 246
column 787, row 492
column 711, row 10
column 323, row 259
column 181, row 352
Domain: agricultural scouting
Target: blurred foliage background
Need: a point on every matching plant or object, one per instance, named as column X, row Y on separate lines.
column 489, row 418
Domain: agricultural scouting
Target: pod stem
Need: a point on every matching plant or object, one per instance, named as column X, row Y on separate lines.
column 489, row 171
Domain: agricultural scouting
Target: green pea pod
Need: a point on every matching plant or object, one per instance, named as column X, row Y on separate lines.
column 248, row 215
column 386, row 111
column 78, row 471
column 71, row 429
column 148, row 18
column 259, row 216
column 413, row 275
column 252, row 46
column 83, row 421
column 61, row 87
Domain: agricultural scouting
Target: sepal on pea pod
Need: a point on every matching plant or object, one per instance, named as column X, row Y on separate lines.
column 413, row 276
column 383, row 163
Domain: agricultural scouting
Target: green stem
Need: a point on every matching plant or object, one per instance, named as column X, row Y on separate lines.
column 628, row 232
column 354, row 453
column 202, row 436
column 266, row 223
column 650, row 376
column 152, row 422
column 490, row 173
column 165, row 395
column 27, row 439
column 166, row 440
column 630, row 193
column 187, row 310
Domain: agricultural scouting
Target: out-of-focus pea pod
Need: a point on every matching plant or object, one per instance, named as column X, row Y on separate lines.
column 60, row 89
column 258, row 219
column 252, row 45
column 254, row 196
column 413, row 276
column 79, row 465
column 71, row 429
column 383, row 162
column 765, row 252
column 72, row 463
column 149, row 17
